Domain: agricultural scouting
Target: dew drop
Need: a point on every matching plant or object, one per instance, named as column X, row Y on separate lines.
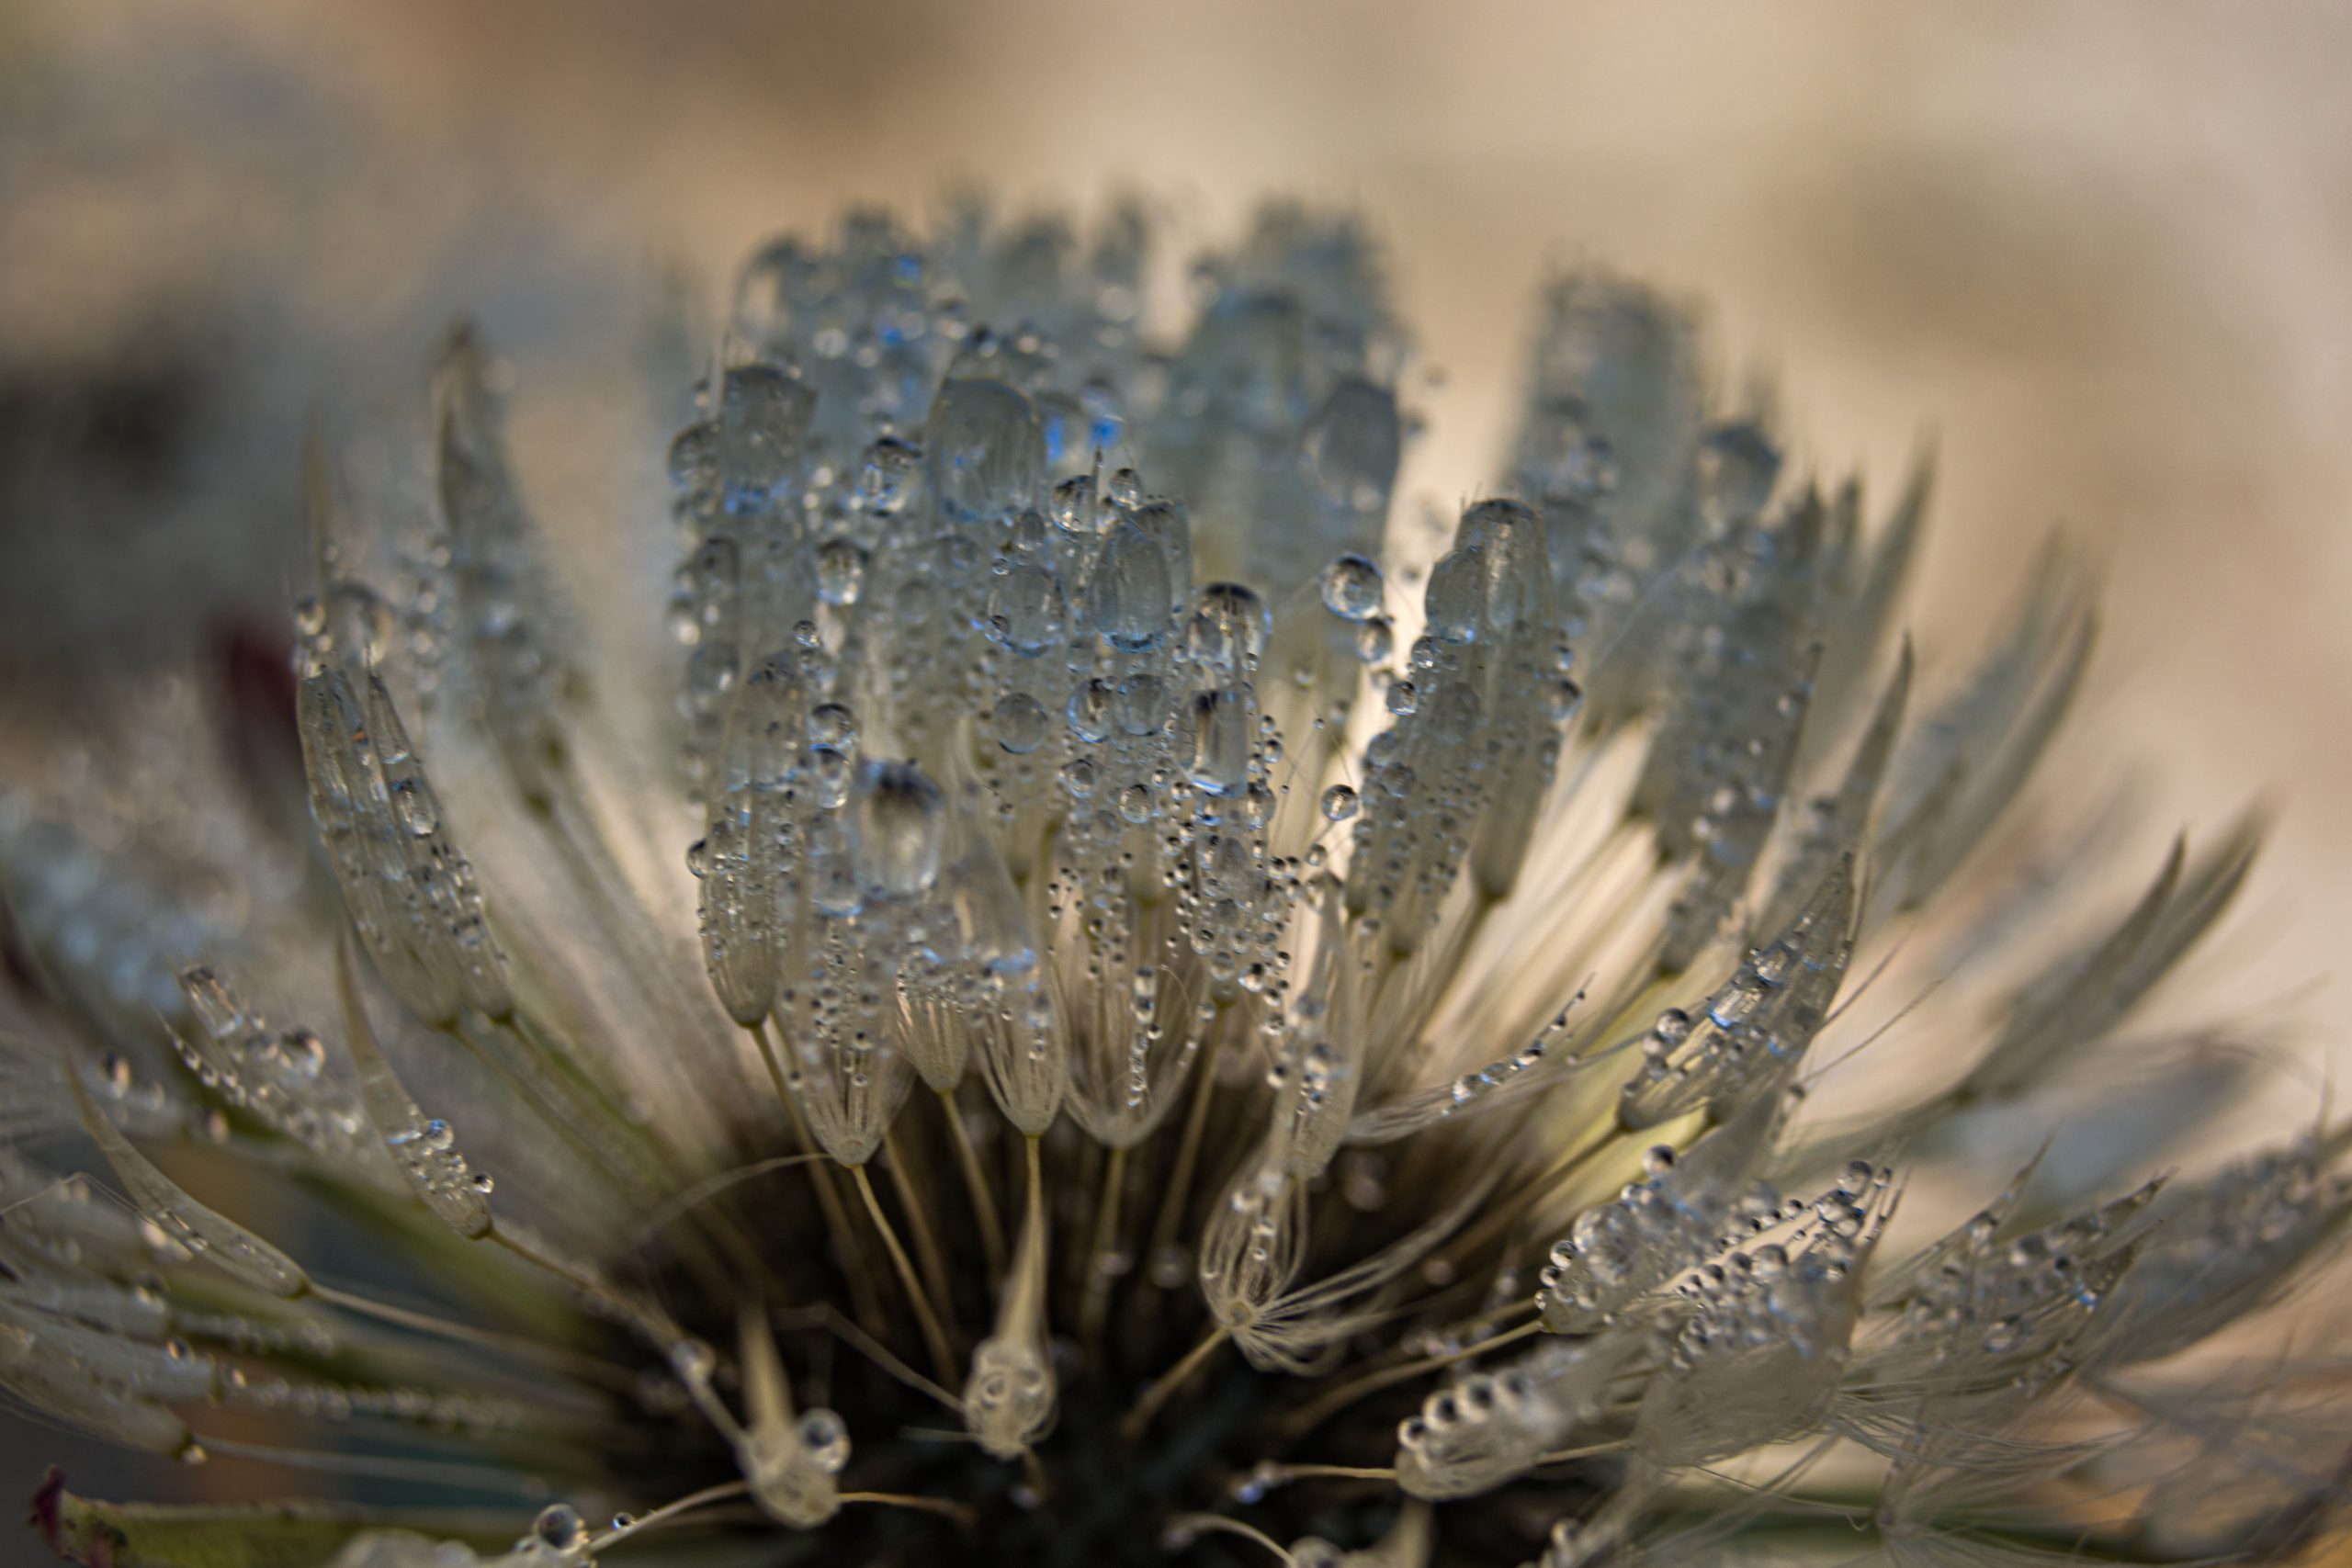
column 1351, row 588
column 827, row 1438
column 900, row 828
column 840, row 571
column 1020, row 723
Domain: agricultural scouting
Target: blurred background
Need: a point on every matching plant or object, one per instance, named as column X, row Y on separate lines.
column 2100, row 255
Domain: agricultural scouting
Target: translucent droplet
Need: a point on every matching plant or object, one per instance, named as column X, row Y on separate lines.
column 832, row 724
column 1351, row 446
column 987, row 450
column 827, row 1438
column 841, row 570
column 1073, row 507
column 762, row 411
column 1228, row 628
column 1351, row 588
column 900, row 827
column 1456, row 599
column 1375, row 640
column 560, row 1526
column 1141, row 705
column 1224, row 724
column 1403, row 697
column 1338, row 802
column 215, row 1006
column 1738, row 467
column 1129, row 598
column 1025, row 608
column 1020, row 723
column 303, row 1053
column 413, row 805
column 1089, row 711
column 882, row 482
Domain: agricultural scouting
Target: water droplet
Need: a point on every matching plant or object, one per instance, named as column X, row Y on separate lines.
column 840, row 571
column 1025, row 609
column 413, row 805
column 1222, row 724
column 1020, row 723
column 1088, row 711
column 831, row 724
column 1073, row 507
column 882, row 482
column 1736, row 468
column 827, row 1438
column 1403, row 697
column 1456, row 597
column 900, row 828
column 1129, row 598
column 560, row 1526
column 1228, row 629
column 1338, row 802
column 1351, row 446
column 1351, row 588
column 215, row 1006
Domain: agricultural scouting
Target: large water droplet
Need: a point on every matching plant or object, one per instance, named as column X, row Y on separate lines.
column 1351, row 446
column 900, row 825
column 1456, row 600
column 1128, row 601
column 1228, row 628
column 1025, row 609
column 1223, row 723
column 987, row 452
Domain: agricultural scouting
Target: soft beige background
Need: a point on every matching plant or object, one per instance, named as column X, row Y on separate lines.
column 2103, row 252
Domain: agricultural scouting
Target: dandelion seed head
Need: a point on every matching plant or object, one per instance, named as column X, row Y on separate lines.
column 1109, row 1008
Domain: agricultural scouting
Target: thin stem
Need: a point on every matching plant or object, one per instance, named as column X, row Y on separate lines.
column 1312, row 1415
column 1133, row 1425
column 865, row 1301
column 1500, row 1216
column 956, row 1511
column 935, row 1337
column 668, row 1511
column 1280, row 1474
column 1187, row 1525
column 934, row 1265
column 586, row 1367
column 875, row 1351
column 1095, row 1302
column 709, row 1188
column 1563, row 1455
column 649, row 1321
column 976, row 1182
column 1188, row 1148
column 473, row 1477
